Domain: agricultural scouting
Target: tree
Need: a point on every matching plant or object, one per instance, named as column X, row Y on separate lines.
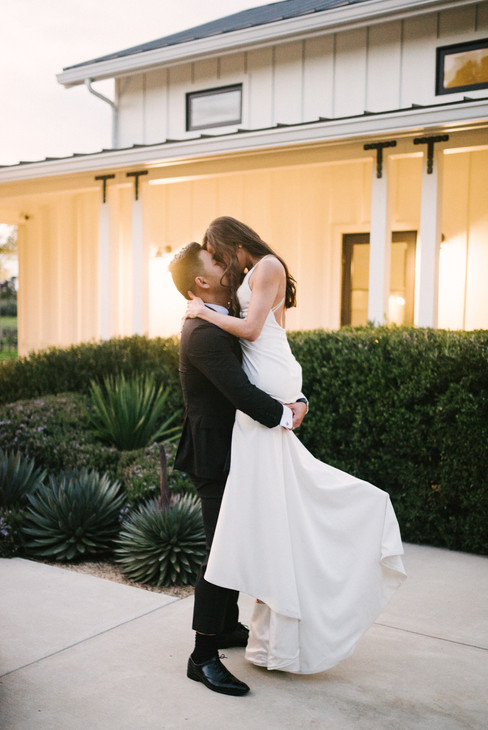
column 8, row 250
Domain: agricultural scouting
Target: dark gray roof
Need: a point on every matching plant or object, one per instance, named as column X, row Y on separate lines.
column 238, row 21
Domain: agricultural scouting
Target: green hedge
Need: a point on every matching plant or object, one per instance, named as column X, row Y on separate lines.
column 55, row 431
column 58, row 370
column 406, row 409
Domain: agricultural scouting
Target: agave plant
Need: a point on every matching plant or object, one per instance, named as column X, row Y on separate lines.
column 74, row 515
column 128, row 413
column 162, row 547
column 19, row 477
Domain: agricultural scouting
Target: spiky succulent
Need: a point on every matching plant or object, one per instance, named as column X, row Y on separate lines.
column 18, row 478
column 162, row 547
column 73, row 516
column 130, row 413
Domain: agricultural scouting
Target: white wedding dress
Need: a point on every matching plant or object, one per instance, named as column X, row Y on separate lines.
column 320, row 548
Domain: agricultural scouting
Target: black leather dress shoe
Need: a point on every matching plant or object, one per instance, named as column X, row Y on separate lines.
column 216, row 677
column 238, row 637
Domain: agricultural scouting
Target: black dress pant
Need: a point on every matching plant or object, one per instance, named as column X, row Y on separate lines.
column 215, row 610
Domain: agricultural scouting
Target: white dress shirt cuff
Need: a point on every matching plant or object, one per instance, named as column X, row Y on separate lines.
column 287, row 418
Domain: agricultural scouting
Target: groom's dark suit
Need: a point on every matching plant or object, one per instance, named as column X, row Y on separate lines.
column 214, row 386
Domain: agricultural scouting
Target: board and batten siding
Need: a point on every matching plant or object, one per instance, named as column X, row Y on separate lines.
column 302, row 210
column 381, row 67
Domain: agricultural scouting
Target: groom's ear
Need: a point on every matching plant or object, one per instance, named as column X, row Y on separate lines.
column 201, row 282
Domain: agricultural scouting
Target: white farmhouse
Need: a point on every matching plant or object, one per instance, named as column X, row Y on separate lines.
column 351, row 134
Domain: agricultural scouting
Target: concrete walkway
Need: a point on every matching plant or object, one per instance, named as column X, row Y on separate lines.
column 83, row 653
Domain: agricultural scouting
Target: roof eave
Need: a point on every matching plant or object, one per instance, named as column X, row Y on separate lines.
column 349, row 16
column 398, row 123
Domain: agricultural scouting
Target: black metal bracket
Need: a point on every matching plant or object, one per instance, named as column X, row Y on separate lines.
column 104, row 178
column 136, row 176
column 430, row 142
column 379, row 147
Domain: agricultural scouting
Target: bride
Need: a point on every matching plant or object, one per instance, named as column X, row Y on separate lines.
column 318, row 548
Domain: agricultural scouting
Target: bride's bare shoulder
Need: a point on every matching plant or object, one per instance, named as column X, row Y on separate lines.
column 271, row 265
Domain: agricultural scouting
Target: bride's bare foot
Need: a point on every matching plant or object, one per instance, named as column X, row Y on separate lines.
column 258, row 601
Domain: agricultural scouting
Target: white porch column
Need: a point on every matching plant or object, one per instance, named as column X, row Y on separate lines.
column 137, row 267
column 430, row 239
column 104, row 261
column 139, row 271
column 380, row 247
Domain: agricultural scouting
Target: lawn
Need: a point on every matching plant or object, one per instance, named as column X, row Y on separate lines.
column 6, row 352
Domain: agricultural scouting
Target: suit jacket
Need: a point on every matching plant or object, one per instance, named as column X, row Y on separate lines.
column 214, row 385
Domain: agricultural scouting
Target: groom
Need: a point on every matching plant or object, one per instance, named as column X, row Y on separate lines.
column 214, row 385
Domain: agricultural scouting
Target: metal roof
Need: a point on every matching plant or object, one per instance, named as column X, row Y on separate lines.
column 239, row 133
column 237, row 21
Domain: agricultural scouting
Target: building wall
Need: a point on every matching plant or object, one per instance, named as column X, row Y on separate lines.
column 379, row 68
column 302, row 210
column 463, row 294
column 58, row 271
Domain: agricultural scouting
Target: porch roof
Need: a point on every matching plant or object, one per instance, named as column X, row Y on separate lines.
column 465, row 114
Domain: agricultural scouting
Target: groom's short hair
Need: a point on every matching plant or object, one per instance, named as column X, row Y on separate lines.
column 185, row 266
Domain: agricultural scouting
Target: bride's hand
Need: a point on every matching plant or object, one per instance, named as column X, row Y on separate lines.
column 195, row 307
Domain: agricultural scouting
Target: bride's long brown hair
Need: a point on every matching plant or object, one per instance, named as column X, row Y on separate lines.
column 225, row 234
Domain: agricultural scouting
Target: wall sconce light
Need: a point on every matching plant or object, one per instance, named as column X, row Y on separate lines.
column 162, row 251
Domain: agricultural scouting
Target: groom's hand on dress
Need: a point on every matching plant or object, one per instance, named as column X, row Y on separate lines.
column 299, row 410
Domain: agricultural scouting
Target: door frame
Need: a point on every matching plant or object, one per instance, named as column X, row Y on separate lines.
column 349, row 240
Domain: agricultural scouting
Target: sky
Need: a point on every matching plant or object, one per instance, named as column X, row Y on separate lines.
column 38, row 38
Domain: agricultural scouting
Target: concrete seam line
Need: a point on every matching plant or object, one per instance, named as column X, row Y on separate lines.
column 431, row 636
column 88, row 638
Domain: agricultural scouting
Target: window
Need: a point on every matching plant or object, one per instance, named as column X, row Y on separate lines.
column 463, row 67
column 214, row 107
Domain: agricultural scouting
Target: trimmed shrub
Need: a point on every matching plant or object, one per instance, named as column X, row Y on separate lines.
column 128, row 413
column 54, row 431
column 72, row 369
column 163, row 547
column 406, row 409
column 403, row 408
column 74, row 516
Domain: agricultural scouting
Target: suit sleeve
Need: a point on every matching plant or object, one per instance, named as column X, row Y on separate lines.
column 211, row 353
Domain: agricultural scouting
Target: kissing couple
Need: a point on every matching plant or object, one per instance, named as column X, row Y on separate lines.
column 319, row 549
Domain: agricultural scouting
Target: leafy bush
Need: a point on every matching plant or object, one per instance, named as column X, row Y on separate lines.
column 18, row 478
column 54, row 431
column 8, row 307
column 140, row 474
column 11, row 536
column 406, row 409
column 75, row 515
column 72, row 369
column 162, row 547
column 128, row 412
column 9, row 339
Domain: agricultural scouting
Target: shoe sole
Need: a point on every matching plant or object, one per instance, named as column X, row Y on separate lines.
column 233, row 692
